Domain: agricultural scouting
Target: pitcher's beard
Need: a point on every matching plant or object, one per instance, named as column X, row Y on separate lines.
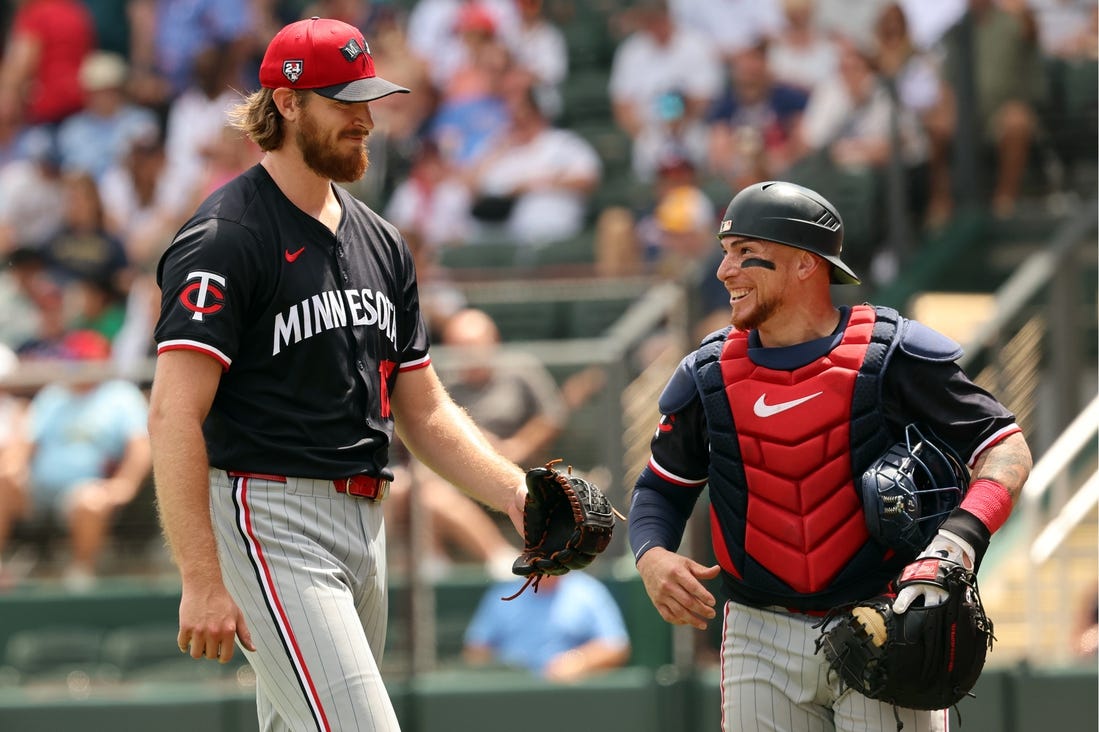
column 324, row 160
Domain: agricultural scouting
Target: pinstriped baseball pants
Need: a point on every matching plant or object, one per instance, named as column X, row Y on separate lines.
column 772, row 680
column 306, row 566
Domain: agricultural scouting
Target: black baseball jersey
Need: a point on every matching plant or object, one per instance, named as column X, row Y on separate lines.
column 310, row 327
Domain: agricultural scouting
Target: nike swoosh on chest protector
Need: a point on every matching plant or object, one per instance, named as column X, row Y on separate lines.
column 763, row 409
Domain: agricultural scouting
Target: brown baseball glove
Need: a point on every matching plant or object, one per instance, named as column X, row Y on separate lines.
column 567, row 523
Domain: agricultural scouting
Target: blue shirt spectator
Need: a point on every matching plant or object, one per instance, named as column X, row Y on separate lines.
column 569, row 627
column 94, row 139
column 78, row 434
column 175, row 32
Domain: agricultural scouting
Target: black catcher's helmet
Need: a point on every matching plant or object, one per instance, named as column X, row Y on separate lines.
column 909, row 491
column 792, row 215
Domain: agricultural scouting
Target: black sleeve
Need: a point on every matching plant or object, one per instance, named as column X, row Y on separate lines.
column 209, row 278
column 940, row 396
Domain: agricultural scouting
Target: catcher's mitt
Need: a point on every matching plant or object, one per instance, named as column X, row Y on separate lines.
column 567, row 522
column 925, row 658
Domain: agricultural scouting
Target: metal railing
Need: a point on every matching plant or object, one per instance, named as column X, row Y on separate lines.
column 1031, row 354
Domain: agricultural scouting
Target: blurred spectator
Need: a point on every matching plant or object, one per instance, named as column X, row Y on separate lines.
column 471, row 111
column 848, row 118
column 440, row 298
column 31, row 194
column 94, row 139
column 12, row 426
column 927, row 22
column 86, row 454
column 542, row 52
column 730, row 25
column 680, row 233
column 169, row 36
column 914, row 77
column 752, row 124
column 88, row 261
column 1067, row 28
column 432, row 204
column 1009, row 82
column 802, row 55
column 436, row 27
column 663, row 78
column 533, row 184
column 518, row 406
column 42, row 55
column 570, row 629
column 514, row 400
column 631, row 242
column 141, row 206
column 400, row 121
column 31, row 300
column 111, row 19
column 198, row 116
column 225, row 156
column 853, row 21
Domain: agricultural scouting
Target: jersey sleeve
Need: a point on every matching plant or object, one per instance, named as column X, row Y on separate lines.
column 414, row 343
column 208, row 278
column 941, row 396
column 680, row 445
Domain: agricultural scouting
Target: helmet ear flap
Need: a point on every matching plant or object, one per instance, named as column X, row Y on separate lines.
column 908, row 492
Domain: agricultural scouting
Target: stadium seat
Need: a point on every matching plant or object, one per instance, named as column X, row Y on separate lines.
column 580, row 249
column 52, row 653
column 479, row 255
column 133, row 649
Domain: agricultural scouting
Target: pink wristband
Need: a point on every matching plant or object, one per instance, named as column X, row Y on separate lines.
column 989, row 502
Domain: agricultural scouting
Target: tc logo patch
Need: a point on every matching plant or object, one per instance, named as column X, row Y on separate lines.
column 291, row 69
column 203, row 297
column 726, row 225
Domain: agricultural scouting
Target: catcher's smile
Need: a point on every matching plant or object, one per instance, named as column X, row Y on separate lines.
column 739, row 293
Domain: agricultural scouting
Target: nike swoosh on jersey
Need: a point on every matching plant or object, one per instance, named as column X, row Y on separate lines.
column 763, row 409
column 291, row 256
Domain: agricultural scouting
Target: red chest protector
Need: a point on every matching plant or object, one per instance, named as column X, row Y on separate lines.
column 804, row 520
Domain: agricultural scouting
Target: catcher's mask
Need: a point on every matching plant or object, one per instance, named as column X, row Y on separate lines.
column 909, row 491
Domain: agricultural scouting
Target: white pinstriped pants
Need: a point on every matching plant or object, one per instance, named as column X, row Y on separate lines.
column 773, row 681
column 306, row 566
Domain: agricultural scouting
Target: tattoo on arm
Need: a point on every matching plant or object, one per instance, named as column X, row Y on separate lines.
column 1008, row 463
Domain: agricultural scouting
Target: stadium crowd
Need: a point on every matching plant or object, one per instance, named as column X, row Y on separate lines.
column 113, row 128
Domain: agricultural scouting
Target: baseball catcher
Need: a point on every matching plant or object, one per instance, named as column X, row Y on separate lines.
column 567, row 523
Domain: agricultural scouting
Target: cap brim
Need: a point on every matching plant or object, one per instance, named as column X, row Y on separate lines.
column 361, row 90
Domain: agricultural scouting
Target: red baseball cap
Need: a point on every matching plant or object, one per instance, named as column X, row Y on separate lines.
column 327, row 56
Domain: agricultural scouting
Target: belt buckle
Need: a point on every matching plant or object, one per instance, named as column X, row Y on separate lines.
column 360, row 485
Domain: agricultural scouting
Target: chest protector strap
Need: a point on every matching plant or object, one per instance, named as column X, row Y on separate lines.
column 785, row 447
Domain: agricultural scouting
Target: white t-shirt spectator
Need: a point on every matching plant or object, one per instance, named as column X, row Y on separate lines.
column 643, row 70
column 547, row 213
column 730, row 25
column 437, row 214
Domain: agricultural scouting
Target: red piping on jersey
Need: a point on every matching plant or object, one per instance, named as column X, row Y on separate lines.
column 284, row 622
column 197, row 348
column 413, row 365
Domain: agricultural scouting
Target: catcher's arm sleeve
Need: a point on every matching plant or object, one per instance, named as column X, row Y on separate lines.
column 658, row 518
